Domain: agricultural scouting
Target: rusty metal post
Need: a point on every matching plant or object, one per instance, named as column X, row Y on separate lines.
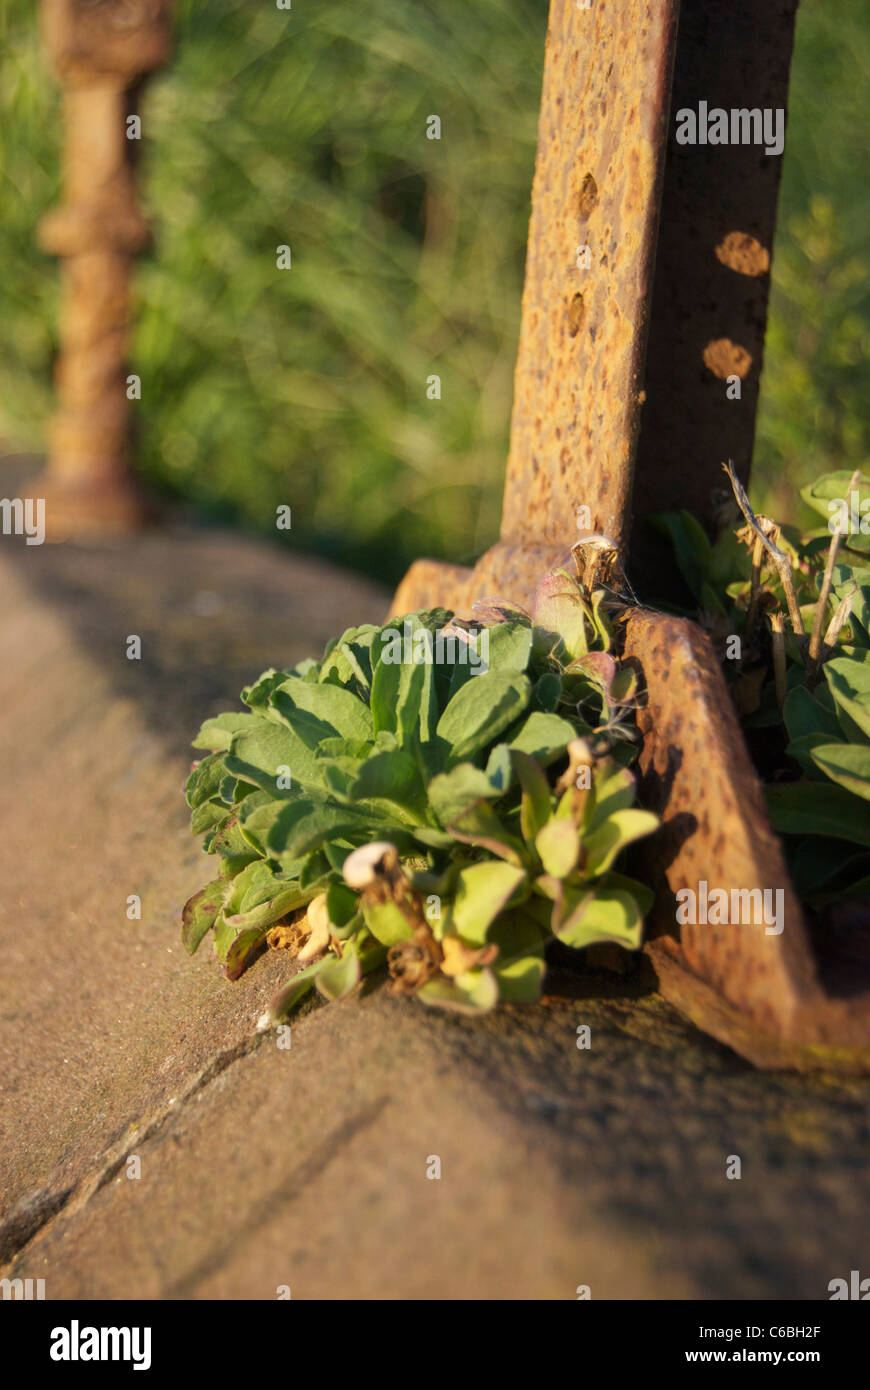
column 100, row 50
column 637, row 305
column 712, row 273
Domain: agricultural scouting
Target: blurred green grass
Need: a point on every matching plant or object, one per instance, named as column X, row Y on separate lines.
column 308, row 387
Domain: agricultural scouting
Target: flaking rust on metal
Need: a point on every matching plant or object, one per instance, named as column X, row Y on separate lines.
column 756, row 990
column 696, row 773
column 601, row 147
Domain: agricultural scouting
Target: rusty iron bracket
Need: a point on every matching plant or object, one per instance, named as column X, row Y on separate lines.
column 647, row 280
column 100, row 52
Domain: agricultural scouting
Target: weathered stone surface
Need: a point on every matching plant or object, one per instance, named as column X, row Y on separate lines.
column 105, row 1018
column 307, row 1167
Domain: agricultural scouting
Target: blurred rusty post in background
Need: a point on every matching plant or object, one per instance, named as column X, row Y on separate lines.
column 100, row 50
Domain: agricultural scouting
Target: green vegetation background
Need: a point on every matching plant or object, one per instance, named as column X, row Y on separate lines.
column 308, row 387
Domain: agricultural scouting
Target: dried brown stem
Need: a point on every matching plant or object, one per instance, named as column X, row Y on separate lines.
column 778, row 629
column 836, row 624
column 779, row 557
column 755, row 590
column 825, row 590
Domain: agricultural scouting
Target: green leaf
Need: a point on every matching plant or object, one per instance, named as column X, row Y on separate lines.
column 619, row 830
column 561, row 618
column 536, row 807
column 338, row 976
column 208, row 814
column 257, row 695
column 558, row 845
column 519, row 968
column 547, row 692
column 205, row 779
column 505, row 646
column 848, row 764
column 403, row 701
column 452, row 793
column 849, row 683
column 499, row 769
column 844, row 578
column 314, row 873
column 481, row 826
column 543, row 737
column 509, row 645
column 345, row 750
column 604, row 914
column 801, row 749
column 803, row 714
column 199, row 913
column 233, row 947
column 302, row 826
column 475, row 992
column 642, row 894
column 258, row 898
column 216, row 733
column 286, row 998
column 387, row 923
column 392, row 777
column 230, row 840
column 613, row 789
column 520, row 981
column 834, row 488
column 480, row 710
column 482, row 892
column 350, row 656
column 257, row 755
column 815, row 808
column 432, row 838
column 342, row 904
column 856, row 891
column 257, row 814
column 338, row 709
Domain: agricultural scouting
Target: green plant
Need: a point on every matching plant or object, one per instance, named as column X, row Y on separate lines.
column 790, row 613
column 443, row 797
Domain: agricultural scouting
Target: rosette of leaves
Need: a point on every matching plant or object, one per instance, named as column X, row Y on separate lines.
column 800, row 603
column 446, row 804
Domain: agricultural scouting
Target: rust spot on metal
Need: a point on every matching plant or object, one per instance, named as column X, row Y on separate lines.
column 576, row 314
column 588, row 199
column 743, row 253
column 724, row 358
